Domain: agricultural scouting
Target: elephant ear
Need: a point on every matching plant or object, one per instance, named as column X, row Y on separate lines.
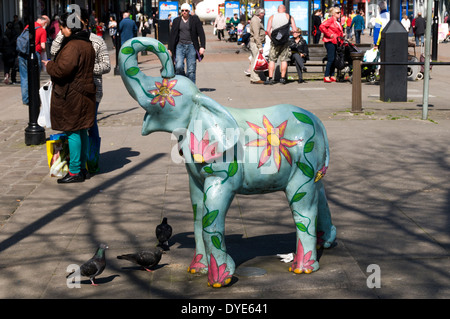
column 212, row 130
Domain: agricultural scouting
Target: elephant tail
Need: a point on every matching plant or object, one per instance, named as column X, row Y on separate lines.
column 326, row 156
column 128, row 65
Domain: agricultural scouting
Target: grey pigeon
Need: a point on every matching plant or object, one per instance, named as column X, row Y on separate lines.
column 163, row 234
column 145, row 258
column 94, row 266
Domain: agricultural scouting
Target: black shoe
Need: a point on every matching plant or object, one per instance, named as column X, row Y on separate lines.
column 301, row 81
column 283, row 81
column 268, row 81
column 78, row 178
column 86, row 174
column 305, row 69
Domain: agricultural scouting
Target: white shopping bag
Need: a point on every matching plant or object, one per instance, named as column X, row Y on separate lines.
column 45, row 93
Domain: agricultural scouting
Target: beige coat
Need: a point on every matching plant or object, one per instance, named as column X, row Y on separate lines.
column 257, row 32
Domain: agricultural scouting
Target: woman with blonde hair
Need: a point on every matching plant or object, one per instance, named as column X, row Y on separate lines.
column 332, row 33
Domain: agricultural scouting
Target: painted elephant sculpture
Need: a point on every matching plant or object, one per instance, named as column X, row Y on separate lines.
column 231, row 151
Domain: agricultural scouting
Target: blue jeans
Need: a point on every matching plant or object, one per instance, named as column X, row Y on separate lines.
column 188, row 52
column 331, row 55
column 23, row 71
column 358, row 36
column 421, row 37
column 93, row 152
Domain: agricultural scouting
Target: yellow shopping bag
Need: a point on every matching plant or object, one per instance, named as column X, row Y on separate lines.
column 58, row 155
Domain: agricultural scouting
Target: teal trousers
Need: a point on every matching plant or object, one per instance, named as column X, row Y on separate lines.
column 78, row 148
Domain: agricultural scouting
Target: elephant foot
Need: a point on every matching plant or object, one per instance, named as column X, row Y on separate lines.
column 217, row 275
column 327, row 239
column 196, row 266
column 303, row 263
column 300, row 270
column 219, row 285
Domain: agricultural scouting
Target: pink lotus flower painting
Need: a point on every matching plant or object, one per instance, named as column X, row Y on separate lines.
column 202, row 151
column 217, row 276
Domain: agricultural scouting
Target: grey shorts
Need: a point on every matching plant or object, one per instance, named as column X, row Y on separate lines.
column 279, row 52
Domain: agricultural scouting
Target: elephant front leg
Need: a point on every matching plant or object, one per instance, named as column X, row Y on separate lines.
column 217, row 199
column 304, row 212
column 199, row 263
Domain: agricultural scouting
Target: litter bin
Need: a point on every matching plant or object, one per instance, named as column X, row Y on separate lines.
column 163, row 31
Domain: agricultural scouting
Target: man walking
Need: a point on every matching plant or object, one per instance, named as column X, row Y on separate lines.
column 419, row 29
column 127, row 28
column 281, row 50
column 187, row 41
column 257, row 39
column 40, row 39
column 358, row 25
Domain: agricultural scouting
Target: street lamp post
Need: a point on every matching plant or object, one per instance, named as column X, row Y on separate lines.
column 434, row 49
column 117, row 43
column 34, row 134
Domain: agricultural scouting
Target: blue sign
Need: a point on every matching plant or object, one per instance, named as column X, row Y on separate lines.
column 231, row 8
column 316, row 5
column 166, row 8
column 270, row 7
column 299, row 11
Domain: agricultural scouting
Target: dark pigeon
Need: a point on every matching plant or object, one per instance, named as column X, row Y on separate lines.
column 163, row 234
column 94, row 266
column 145, row 258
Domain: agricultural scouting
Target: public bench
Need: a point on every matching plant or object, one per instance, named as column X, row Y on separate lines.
column 316, row 63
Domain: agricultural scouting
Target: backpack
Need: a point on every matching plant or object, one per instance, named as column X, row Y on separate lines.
column 281, row 35
column 23, row 40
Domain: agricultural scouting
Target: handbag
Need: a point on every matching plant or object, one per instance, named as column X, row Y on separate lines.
column 261, row 64
column 45, row 93
column 281, row 35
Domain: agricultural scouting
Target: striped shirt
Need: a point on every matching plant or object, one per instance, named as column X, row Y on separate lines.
column 102, row 63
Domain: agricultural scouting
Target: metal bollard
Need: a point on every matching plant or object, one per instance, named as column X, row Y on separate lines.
column 356, row 82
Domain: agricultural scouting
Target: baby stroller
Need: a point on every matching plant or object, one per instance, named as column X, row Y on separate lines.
column 369, row 71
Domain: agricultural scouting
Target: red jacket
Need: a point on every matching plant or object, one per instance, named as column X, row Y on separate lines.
column 331, row 27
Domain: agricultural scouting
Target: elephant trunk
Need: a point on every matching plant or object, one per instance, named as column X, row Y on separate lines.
column 134, row 79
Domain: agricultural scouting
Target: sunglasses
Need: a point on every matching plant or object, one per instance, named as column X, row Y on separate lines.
column 184, row 10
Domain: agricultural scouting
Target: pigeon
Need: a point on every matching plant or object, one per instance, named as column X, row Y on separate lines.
column 286, row 257
column 94, row 266
column 145, row 258
column 163, row 233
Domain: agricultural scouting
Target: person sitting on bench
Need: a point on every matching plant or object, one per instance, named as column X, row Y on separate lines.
column 299, row 52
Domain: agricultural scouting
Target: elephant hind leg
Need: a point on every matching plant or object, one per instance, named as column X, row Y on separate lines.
column 326, row 231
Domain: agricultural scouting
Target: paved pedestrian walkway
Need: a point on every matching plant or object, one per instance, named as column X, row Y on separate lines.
column 387, row 186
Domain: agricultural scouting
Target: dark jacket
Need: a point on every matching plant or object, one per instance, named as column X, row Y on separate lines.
column 127, row 30
column 197, row 34
column 316, row 23
column 8, row 44
column 73, row 93
column 300, row 47
column 419, row 27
